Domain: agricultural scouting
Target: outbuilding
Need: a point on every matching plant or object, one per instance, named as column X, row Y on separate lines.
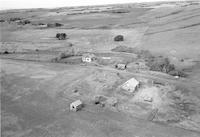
column 76, row 105
column 131, row 85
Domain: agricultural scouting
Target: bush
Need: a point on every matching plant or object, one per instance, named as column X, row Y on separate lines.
column 123, row 49
column 61, row 36
column 177, row 73
column 14, row 19
column 119, row 38
column 27, row 21
column 66, row 54
column 24, row 22
column 58, row 24
column 161, row 64
column 54, row 25
column 41, row 23
column 99, row 99
column 140, row 53
column 63, row 55
column 2, row 20
column 169, row 68
column 70, row 45
column 57, row 35
column 6, row 52
column 120, row 11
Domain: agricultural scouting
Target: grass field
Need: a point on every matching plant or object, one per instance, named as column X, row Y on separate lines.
column 37, row 89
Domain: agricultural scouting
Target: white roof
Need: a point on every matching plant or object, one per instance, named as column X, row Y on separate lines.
column 76, row 103
column 131, row 84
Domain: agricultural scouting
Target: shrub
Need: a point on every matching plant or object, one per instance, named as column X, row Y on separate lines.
column 41, row 23
column 14, row 19
column 57, row 35
column 99, row 99
column 54, row 25
column 61, row 36
column 143, row 53
column 63, row 55
column 58, row 24
column 120, row 11
column 169, row 68
column 24, row 22
column 66, row 54
column 123, row 49
column 161, row 64
column 177, row 73
column 2, row 20
column 140, row 53
column 119, row 38
column 70, row 45
column 6, row 52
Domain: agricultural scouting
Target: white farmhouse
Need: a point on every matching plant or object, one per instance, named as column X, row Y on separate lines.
column 120, row 66
column 88, row 58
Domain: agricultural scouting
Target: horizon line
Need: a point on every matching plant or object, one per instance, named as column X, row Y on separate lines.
column 135, row 2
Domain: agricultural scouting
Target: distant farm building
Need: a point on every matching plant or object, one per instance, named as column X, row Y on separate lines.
column 76, row 105
column 131, row 85
column 120, row 66
column 88, row 58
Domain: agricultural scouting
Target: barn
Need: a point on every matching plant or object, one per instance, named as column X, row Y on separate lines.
column 131, row 85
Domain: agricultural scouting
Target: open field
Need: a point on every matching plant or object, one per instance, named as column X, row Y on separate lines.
column 41, row 75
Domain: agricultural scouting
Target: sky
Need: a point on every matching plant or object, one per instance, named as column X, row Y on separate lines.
column 23, row 4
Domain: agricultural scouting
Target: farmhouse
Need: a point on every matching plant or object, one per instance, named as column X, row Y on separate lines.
column 88, row 57
column 131, row 85
column 120, row 66
column 76, row 105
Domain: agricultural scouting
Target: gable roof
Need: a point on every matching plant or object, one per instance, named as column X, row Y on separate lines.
column 76, row 103
column 130, row 85
column 87, row 55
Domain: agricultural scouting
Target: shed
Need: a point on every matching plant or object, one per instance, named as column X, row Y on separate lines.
column 76, row 105
column 131, row 85
column 88, row 57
